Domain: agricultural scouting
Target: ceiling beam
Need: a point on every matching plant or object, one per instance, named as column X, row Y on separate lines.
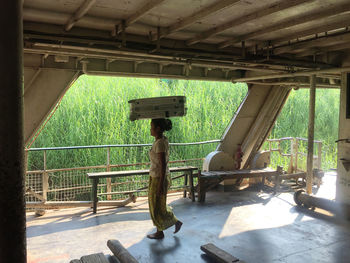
column 295, row 74
column 325, row 40
column 74, row 51
column 139, row 13
column 288, row 23
column 246, row 18
column 82, row 10
column 312, row 31
column 207, row 11
column 296, row 83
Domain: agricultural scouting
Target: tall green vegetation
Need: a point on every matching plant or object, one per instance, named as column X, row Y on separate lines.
column 293, row 122
column 95, row 111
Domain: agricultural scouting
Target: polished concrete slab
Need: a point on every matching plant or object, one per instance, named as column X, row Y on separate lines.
column 252, row 226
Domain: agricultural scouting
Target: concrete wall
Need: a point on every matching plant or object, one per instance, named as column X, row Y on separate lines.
column 343, row 180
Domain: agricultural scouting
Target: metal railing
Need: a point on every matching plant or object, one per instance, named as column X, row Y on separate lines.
column 71, row 184
column 296, row 155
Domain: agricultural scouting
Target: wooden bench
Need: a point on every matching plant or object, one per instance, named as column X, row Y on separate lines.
column 95, row 177
column 208, row 180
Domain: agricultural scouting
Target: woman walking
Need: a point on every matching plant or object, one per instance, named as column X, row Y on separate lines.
column 159, row 182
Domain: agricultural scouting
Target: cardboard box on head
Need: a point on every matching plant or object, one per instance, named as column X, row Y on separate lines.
column 158, row 107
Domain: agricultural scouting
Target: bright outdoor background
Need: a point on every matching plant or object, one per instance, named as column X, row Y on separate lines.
column 95, row 111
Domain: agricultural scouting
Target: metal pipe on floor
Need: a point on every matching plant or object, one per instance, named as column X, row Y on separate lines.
column 310, row 139
column 308, row 201
column 12, row 202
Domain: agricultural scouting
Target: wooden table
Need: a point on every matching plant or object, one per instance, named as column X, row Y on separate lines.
column 95, row 177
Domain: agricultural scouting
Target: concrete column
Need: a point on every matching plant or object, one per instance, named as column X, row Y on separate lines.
column 12, row 204
column 343, row 171
column 310, row 143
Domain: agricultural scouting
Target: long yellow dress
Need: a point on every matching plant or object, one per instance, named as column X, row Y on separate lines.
column 161, row 214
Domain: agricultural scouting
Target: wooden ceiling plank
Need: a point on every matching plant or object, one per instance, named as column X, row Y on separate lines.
column 246, row 18
column 205, row 12
column 81, row 11
column 140, row 13
column 289, row 23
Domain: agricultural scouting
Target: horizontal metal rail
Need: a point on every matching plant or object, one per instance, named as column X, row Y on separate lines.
column 70, row 184
column 118, row 145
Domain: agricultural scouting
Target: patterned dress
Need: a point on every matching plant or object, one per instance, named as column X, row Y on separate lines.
column 161, row 214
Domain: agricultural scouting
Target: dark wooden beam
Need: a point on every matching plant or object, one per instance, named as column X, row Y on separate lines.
column 140, row 13
column 246, row 18
column 288, row 23
column 185, row 22
column 82, row 10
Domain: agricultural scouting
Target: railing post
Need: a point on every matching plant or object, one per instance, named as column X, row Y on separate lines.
column 25, row 162
column 310, row 138
column 291, row 162
column 319, row 156
column 108, row 169
column 296, row 154
column 45, row 179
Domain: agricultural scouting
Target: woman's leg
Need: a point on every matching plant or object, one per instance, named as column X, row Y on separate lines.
column 161, row 214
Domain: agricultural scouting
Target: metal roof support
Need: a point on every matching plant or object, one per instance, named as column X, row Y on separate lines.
column 244, row 19
column 309, row 32
column 82, row 10
column 36, row 74
column 139, row 13
column 325, row 40
column 12, row 165
column 295, row 74
column 296, row 84
column 323, row 50
column 310, row 138
column 210, row 10
column 292, row 22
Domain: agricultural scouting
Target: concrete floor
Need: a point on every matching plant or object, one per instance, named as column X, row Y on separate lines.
column 252, row 226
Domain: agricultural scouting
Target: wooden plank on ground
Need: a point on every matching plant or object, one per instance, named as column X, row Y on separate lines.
column 121, row 253
column 94, row 258
column 218, row 254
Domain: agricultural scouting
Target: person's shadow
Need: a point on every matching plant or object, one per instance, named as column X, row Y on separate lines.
column 160, row 249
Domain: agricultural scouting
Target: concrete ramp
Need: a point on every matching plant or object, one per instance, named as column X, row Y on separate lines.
column 43, row 88
column 250, row 126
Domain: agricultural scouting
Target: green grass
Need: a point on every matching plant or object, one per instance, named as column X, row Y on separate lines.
column 95, row 111
column 293, row 122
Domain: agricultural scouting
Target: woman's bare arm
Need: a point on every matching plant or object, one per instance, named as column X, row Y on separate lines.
column 161, row 157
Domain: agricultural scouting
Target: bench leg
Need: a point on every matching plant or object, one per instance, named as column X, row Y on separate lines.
column 201, row 188
column 94, row 194
column 192, row 187
column 278, row 179
column 186, row 179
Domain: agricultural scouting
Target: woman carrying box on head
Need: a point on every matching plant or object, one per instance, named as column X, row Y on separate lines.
column 161, row 214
